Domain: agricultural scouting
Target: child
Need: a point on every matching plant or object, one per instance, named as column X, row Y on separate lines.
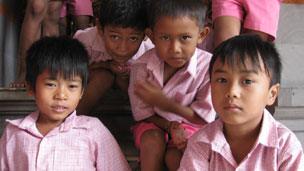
column 232, row 17
column 54, row 137
column 245, row 77
column 112, row 45
column 169, row 85
column 41, row 19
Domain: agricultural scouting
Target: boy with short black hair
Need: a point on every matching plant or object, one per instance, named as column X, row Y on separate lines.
column 169, row 85
column 245, row 77
column 113, row 45
column 54, row 137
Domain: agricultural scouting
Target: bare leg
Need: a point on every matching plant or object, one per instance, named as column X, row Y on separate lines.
column 225, row 27
column 152, row 149
column 30, row 32
column 99, row 82
column 51, row 20
column 173, row 158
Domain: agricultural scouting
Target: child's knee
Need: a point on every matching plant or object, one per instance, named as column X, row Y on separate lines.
column 38, row 7
column 103, row 76
column 153, row 138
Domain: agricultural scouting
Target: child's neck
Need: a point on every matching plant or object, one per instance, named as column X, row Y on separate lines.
column 44, row 127
column 168, row 72
column 241, row 139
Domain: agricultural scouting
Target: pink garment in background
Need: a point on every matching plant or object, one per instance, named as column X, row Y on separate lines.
column 259, row 15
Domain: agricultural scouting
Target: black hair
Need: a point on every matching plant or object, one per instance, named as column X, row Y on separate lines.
column 176, row 8
column 58, row 55
column 236, row 50
column 123, row 13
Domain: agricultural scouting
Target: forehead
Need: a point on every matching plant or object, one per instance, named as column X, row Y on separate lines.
column 47, row 74
column 239, row 65
column 122, row 30
column 177, row 22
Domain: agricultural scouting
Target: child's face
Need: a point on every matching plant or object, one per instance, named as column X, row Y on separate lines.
column 240, row 94
column 122, row 43
column 176, row 39
column 56, row 98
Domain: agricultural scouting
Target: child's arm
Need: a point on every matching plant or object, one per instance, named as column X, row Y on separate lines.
column 178, row 135
column 291, row 155
column 171, row 127
column 107, row 152
column 3, row 154
column 153, row 96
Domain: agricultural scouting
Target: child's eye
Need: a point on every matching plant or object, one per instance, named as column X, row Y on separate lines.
column 73, row 86
column 49, row 84
column 134, row 39
column 247, row 81
column 164, row 38
column 186, row 37
column 221, row 80
column 114, row 37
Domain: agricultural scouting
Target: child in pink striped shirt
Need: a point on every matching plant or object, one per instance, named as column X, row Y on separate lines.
column 245, row 76
column 169, row 85
column 116, row 41
column 54, row 137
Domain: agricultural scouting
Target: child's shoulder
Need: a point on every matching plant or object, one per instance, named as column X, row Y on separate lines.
column 209, row 133
column 147, row 57
column 203, row 55
column 286, row 137
column 86, row 34
column 88, row 121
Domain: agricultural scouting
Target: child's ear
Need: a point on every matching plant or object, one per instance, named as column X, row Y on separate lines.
column 149, row 33
column 204, row 31
column 30, row 90
column 273, row 94
column 99, row 30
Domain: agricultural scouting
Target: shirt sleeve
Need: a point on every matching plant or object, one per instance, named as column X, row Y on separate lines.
column 3, row 154
column 291, row 155
column 195, row 157
column 107, row 151
column 140, row 109
column 202, row 103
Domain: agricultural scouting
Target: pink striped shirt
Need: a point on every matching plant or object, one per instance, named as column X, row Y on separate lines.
column 277, row 148
column 79, row 143
column 96, row 48
column 189, row 86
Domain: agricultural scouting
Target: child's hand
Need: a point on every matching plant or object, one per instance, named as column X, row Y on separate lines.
column 150, row 94
column 121, row 69
column 178, row 135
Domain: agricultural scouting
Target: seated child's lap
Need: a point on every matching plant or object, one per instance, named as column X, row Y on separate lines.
column 141, row 127
column 261, row 15
column 80, row 7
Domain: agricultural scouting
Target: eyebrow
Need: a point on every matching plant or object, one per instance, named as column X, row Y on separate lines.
column 252, row 71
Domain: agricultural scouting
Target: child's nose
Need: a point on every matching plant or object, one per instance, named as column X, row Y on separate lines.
column 123, row 45
column 232, row 91
column 175, row 46
column 61, row 94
